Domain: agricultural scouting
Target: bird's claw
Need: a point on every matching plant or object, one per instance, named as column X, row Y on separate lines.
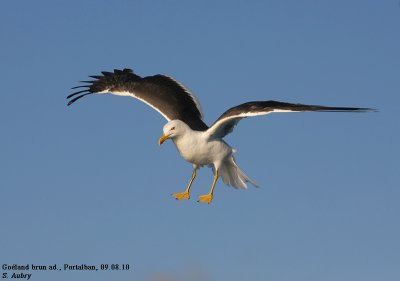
column 181, row 195
column 207, row 198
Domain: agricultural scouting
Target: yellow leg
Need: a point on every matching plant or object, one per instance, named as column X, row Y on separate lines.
column 185, row 195
column 207, row 198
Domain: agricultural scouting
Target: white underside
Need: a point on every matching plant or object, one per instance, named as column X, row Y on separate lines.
column 196, row 148
column 214, row 130
column 125, row 93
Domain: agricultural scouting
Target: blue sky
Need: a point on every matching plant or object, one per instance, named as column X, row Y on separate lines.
column 89, row 184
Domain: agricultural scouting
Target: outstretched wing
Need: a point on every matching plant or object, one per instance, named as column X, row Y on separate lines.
column 166, row 95
column 227, row 121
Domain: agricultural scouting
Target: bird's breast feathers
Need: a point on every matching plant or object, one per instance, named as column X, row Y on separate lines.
column 202, row 152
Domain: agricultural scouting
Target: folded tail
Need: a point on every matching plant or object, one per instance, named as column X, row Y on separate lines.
column 232, row 175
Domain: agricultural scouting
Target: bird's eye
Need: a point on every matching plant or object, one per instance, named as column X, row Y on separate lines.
column 173, row 128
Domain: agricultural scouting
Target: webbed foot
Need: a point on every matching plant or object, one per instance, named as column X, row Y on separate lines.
column 181, row 195
column 207, row 198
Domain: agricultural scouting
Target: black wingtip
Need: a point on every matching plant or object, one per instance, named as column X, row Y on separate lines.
column 102, row 83
column 352, row 109
column 77, row 98
column 95, row 76
column 77, row 87
column 76, row 93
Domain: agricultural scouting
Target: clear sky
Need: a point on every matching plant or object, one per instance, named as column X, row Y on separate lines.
column 89, row 183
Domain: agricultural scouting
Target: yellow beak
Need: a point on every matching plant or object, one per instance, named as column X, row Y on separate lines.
column 163, row 139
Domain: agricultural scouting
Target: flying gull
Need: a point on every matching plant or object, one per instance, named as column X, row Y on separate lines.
column 196, row 142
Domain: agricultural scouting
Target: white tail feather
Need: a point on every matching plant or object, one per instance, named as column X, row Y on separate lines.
column 232, row 175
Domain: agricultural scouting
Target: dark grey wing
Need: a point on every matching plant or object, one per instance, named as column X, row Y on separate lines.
column 166, row 95
column 227, row 121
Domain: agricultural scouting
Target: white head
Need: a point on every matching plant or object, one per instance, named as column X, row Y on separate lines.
column 173, row 129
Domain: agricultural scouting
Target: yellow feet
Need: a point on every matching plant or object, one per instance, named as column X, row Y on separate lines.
column 182, row 195
column 206, row 198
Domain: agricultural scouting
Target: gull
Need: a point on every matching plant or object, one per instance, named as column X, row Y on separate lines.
column 196, row 142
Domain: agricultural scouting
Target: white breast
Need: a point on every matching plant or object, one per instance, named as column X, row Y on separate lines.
column 195, row 148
